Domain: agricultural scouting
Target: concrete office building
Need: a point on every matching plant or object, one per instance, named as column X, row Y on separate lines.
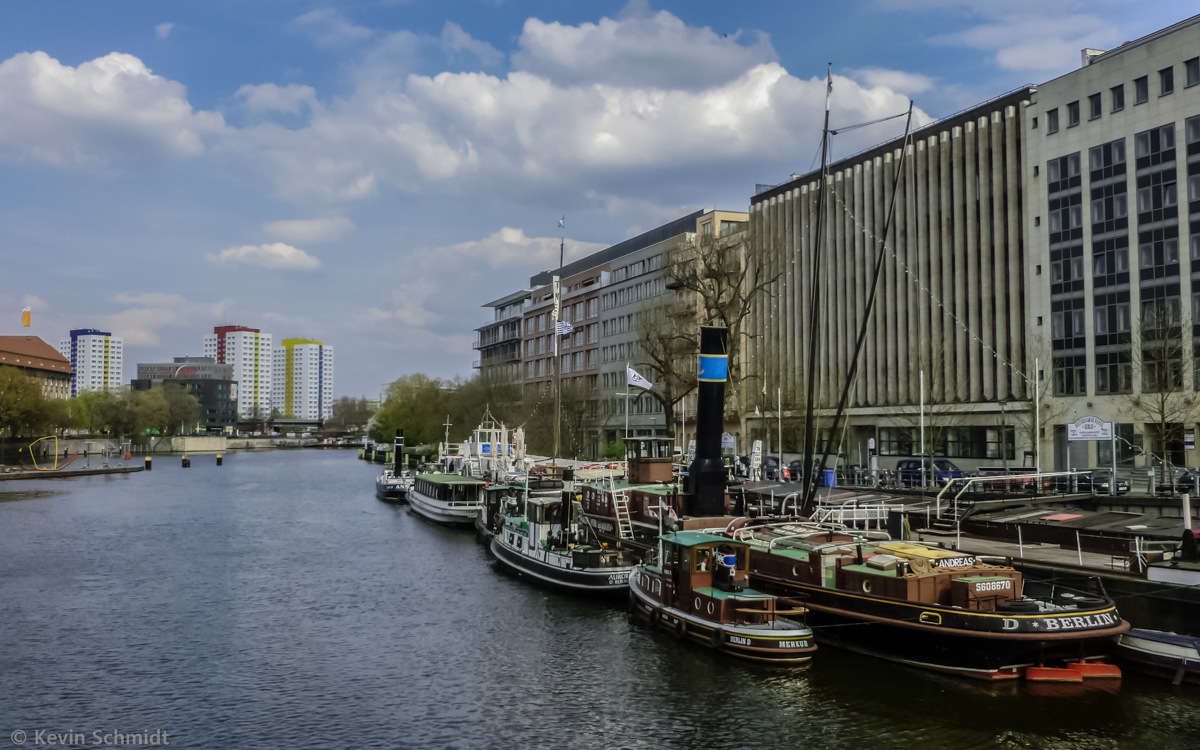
column 303, row 379
column 209, row 381
column 96, row 358
column 950, row 305
column 1112, row 227
column 248, row 350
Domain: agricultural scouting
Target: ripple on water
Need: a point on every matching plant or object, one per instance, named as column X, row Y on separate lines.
column 275, row 603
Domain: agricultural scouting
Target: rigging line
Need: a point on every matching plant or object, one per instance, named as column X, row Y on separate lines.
column 849, row 128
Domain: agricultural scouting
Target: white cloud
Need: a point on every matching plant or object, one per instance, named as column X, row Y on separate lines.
column 272, row 98
column 147, row 315
column 276, row 255
column 310, row 230
column 899, row 81
column 657, row 51
column 107, row 108
column 1030, row 35
column 329, row 28
column 163, row 30
column 482, row 270
column 455, row 41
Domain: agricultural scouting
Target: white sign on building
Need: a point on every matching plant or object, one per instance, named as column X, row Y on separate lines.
column 1090, row 428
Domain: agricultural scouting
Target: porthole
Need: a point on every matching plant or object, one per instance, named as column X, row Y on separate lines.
column 795, row 573
column 697, row 604
column 710, row 608
column 866, row 586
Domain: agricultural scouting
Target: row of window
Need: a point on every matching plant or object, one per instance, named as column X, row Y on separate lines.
column 636, row 269
column 633, row 293
column 570, row 313
column 1141, row 94
column 577, row 362
column 950, row 442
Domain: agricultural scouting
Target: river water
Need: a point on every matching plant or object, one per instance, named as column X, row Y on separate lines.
column 273, row 602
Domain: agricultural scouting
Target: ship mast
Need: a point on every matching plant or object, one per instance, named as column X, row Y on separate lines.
column 557, row 359
column 815, row 301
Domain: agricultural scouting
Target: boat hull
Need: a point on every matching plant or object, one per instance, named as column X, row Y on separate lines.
column 446, row 514
column 968, row 643
column 1162, row 654
column 390, row 494
column 793, row 647
column 599, row 581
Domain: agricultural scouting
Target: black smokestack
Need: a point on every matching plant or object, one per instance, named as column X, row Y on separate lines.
column 706, row 475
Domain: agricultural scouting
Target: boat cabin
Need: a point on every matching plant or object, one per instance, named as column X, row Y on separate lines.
column 650, row 459
column 895, row 570
column 706, row 576
column 452, row 489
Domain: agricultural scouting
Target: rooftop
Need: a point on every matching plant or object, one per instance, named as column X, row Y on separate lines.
column 32, row 352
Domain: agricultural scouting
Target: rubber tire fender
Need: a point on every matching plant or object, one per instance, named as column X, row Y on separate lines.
column 718, row 638
column 681, row 629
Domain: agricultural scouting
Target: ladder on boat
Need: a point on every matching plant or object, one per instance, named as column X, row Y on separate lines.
column 621, row 510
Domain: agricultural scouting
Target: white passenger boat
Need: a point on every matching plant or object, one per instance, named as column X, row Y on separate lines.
column 450, row 499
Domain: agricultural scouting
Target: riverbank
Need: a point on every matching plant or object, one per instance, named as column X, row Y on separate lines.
column 69, row 473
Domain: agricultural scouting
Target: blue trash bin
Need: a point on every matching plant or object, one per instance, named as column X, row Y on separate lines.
column 828, row 478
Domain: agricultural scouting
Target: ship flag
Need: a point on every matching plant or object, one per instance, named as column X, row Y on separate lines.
column 633, row 378
column 26, row 317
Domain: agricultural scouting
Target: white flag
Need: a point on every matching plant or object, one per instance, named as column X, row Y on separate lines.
column 632, row 378
column 562, row 222
column 564, row 327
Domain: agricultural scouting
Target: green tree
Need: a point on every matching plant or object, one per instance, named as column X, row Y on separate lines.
column 183, row 409
column 417, row 404
column 21, row 402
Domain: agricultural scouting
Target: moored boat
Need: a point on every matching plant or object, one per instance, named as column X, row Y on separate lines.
column 392, row 487
column 931, row 607
column 699, row 592
column 1164, row 654
column 537, row 538
column 450, row 499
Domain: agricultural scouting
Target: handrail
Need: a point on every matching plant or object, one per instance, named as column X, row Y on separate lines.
column 972, row 480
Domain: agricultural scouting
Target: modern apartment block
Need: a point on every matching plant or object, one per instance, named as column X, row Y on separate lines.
column 499, row 341
column 248, row 350
column 302, row 385
column 1112, row 228
column 95, row 357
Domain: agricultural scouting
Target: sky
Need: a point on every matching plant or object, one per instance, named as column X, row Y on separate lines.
column 369, row 173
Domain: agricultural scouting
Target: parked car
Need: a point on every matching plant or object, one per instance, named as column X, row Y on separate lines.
column 908, row 471
column 1027, row 483
column 1179, row 481
column 1093, row 481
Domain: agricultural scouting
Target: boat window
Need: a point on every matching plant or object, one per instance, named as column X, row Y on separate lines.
column 703, row 559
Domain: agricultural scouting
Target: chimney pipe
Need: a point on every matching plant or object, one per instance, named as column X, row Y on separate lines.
column 706, row 475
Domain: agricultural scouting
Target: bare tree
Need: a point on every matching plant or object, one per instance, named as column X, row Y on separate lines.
column 722, row 279
column 1164, row 406
column 667, row 350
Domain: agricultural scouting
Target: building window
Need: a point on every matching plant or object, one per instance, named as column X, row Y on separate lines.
column 1166, row 81
column 1141, row 90
column 1052, row 121
column 1192, row 129
column 1073, row 114
column 1094, row 107
column 1162, row 369
column 1192, row 71
column 1070, row 376
column 895, row 441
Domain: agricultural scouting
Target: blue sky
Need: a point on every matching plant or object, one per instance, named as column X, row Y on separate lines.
column 369, row 173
